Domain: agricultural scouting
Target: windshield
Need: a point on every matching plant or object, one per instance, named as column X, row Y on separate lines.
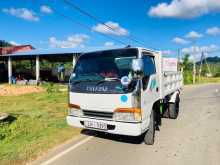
column 111, row 64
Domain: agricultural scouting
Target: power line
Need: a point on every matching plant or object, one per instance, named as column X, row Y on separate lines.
column 73, row 5
column 84, row 25
column 88, row 27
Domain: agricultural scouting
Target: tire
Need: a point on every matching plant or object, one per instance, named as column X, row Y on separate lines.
column 150, row 134
column 174, row 109
column 166, row 111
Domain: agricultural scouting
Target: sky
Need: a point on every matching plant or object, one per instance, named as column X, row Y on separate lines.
column 167, row 25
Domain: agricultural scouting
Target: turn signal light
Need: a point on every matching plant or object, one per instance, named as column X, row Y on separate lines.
column 74, row 106
column 128, row 110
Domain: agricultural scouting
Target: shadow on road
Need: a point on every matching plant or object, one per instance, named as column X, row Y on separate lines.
column 122, row 138
column 118, row 138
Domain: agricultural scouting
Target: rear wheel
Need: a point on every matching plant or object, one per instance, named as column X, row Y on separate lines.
column 166, row 110
column 174, row 108
column 149, row 135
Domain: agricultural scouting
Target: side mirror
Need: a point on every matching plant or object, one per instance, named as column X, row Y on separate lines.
column 125, row 81
column 72, row 76
column 138, row 67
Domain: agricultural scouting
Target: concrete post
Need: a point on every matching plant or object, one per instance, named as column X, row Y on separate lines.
column 37, row 68
column 9, row 70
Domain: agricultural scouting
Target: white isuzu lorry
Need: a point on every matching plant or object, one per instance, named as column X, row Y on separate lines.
column 124, row 91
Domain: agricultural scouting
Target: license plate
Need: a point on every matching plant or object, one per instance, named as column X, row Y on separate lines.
column 96, row 125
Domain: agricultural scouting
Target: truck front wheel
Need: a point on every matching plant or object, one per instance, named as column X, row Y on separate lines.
column 149, row 135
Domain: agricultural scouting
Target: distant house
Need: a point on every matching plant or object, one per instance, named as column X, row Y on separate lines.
column 15, row 49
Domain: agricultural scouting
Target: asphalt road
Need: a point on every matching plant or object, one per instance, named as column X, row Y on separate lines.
column 194, row 138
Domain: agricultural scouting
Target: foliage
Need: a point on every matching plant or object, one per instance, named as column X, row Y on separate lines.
column 38, row 124
column 187, row 70
column 4, row 131
column 185, row 63
column 213, row 63
column 51, row 87
column 3, row 43
column 209, row 80
column 48, row 69
column 188, row 79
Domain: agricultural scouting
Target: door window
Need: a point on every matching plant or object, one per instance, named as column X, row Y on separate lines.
column 149, row 69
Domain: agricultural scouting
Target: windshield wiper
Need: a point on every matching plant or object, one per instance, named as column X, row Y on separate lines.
column 88, row 77
column 107, row 80
column 93, row 74
column 84, row 80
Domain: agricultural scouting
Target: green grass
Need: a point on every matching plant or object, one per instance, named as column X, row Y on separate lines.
column 209, row 80
column 39, row 124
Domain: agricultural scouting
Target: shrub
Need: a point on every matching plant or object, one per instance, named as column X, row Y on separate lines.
column 188, row 78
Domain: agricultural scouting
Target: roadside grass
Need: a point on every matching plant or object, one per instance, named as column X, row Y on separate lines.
column 203, row 80
column 209, row 80
column 37, row 124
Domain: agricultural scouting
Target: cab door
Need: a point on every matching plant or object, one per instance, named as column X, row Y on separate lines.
column 150, row 90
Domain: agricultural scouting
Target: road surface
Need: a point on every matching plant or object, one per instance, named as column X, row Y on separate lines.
column 194, row 138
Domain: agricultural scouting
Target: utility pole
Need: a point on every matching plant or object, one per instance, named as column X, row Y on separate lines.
column 194, row 64
column 178, row 63
column 201, row 62
column 210, row 73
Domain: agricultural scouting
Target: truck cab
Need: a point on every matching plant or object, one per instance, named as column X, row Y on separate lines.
column 117, row 91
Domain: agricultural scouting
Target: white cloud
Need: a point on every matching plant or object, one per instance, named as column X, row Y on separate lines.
column 22, row 13
column 193, row 35
column 195, row 52
column 14, row 43
column 184, row 8
column 199, row 49
column 46, row 9
column 118, row 30
column 109, row 44
column 71, row 41
column 180, row 41
column 167, row 52
column 213, row 31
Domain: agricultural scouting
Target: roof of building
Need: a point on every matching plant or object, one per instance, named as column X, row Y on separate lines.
column 42, row 52
column 14, row 49
column 59, row 51
column 54, row 51
column 19, row 46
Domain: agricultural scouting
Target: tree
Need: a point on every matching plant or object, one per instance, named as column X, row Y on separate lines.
column 187, row 73
column 3, row 43
column 186, row 62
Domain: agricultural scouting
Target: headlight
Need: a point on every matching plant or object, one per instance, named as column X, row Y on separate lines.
column 127, row 114
column 75, row 110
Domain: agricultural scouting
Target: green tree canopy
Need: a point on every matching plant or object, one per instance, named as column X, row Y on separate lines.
column 4, row 43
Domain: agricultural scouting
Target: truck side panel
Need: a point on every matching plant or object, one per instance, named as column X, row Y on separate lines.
column 169, row 81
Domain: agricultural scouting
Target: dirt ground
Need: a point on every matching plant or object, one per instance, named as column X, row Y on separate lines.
column 6, row 90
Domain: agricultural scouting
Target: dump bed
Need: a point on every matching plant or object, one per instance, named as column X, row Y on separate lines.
column 170, row 80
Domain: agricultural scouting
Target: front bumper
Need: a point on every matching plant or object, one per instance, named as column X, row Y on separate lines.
column 120, row 128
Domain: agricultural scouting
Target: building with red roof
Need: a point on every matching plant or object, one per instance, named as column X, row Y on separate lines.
column 15, row 49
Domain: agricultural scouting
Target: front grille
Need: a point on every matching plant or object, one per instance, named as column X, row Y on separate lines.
column 97, row 114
